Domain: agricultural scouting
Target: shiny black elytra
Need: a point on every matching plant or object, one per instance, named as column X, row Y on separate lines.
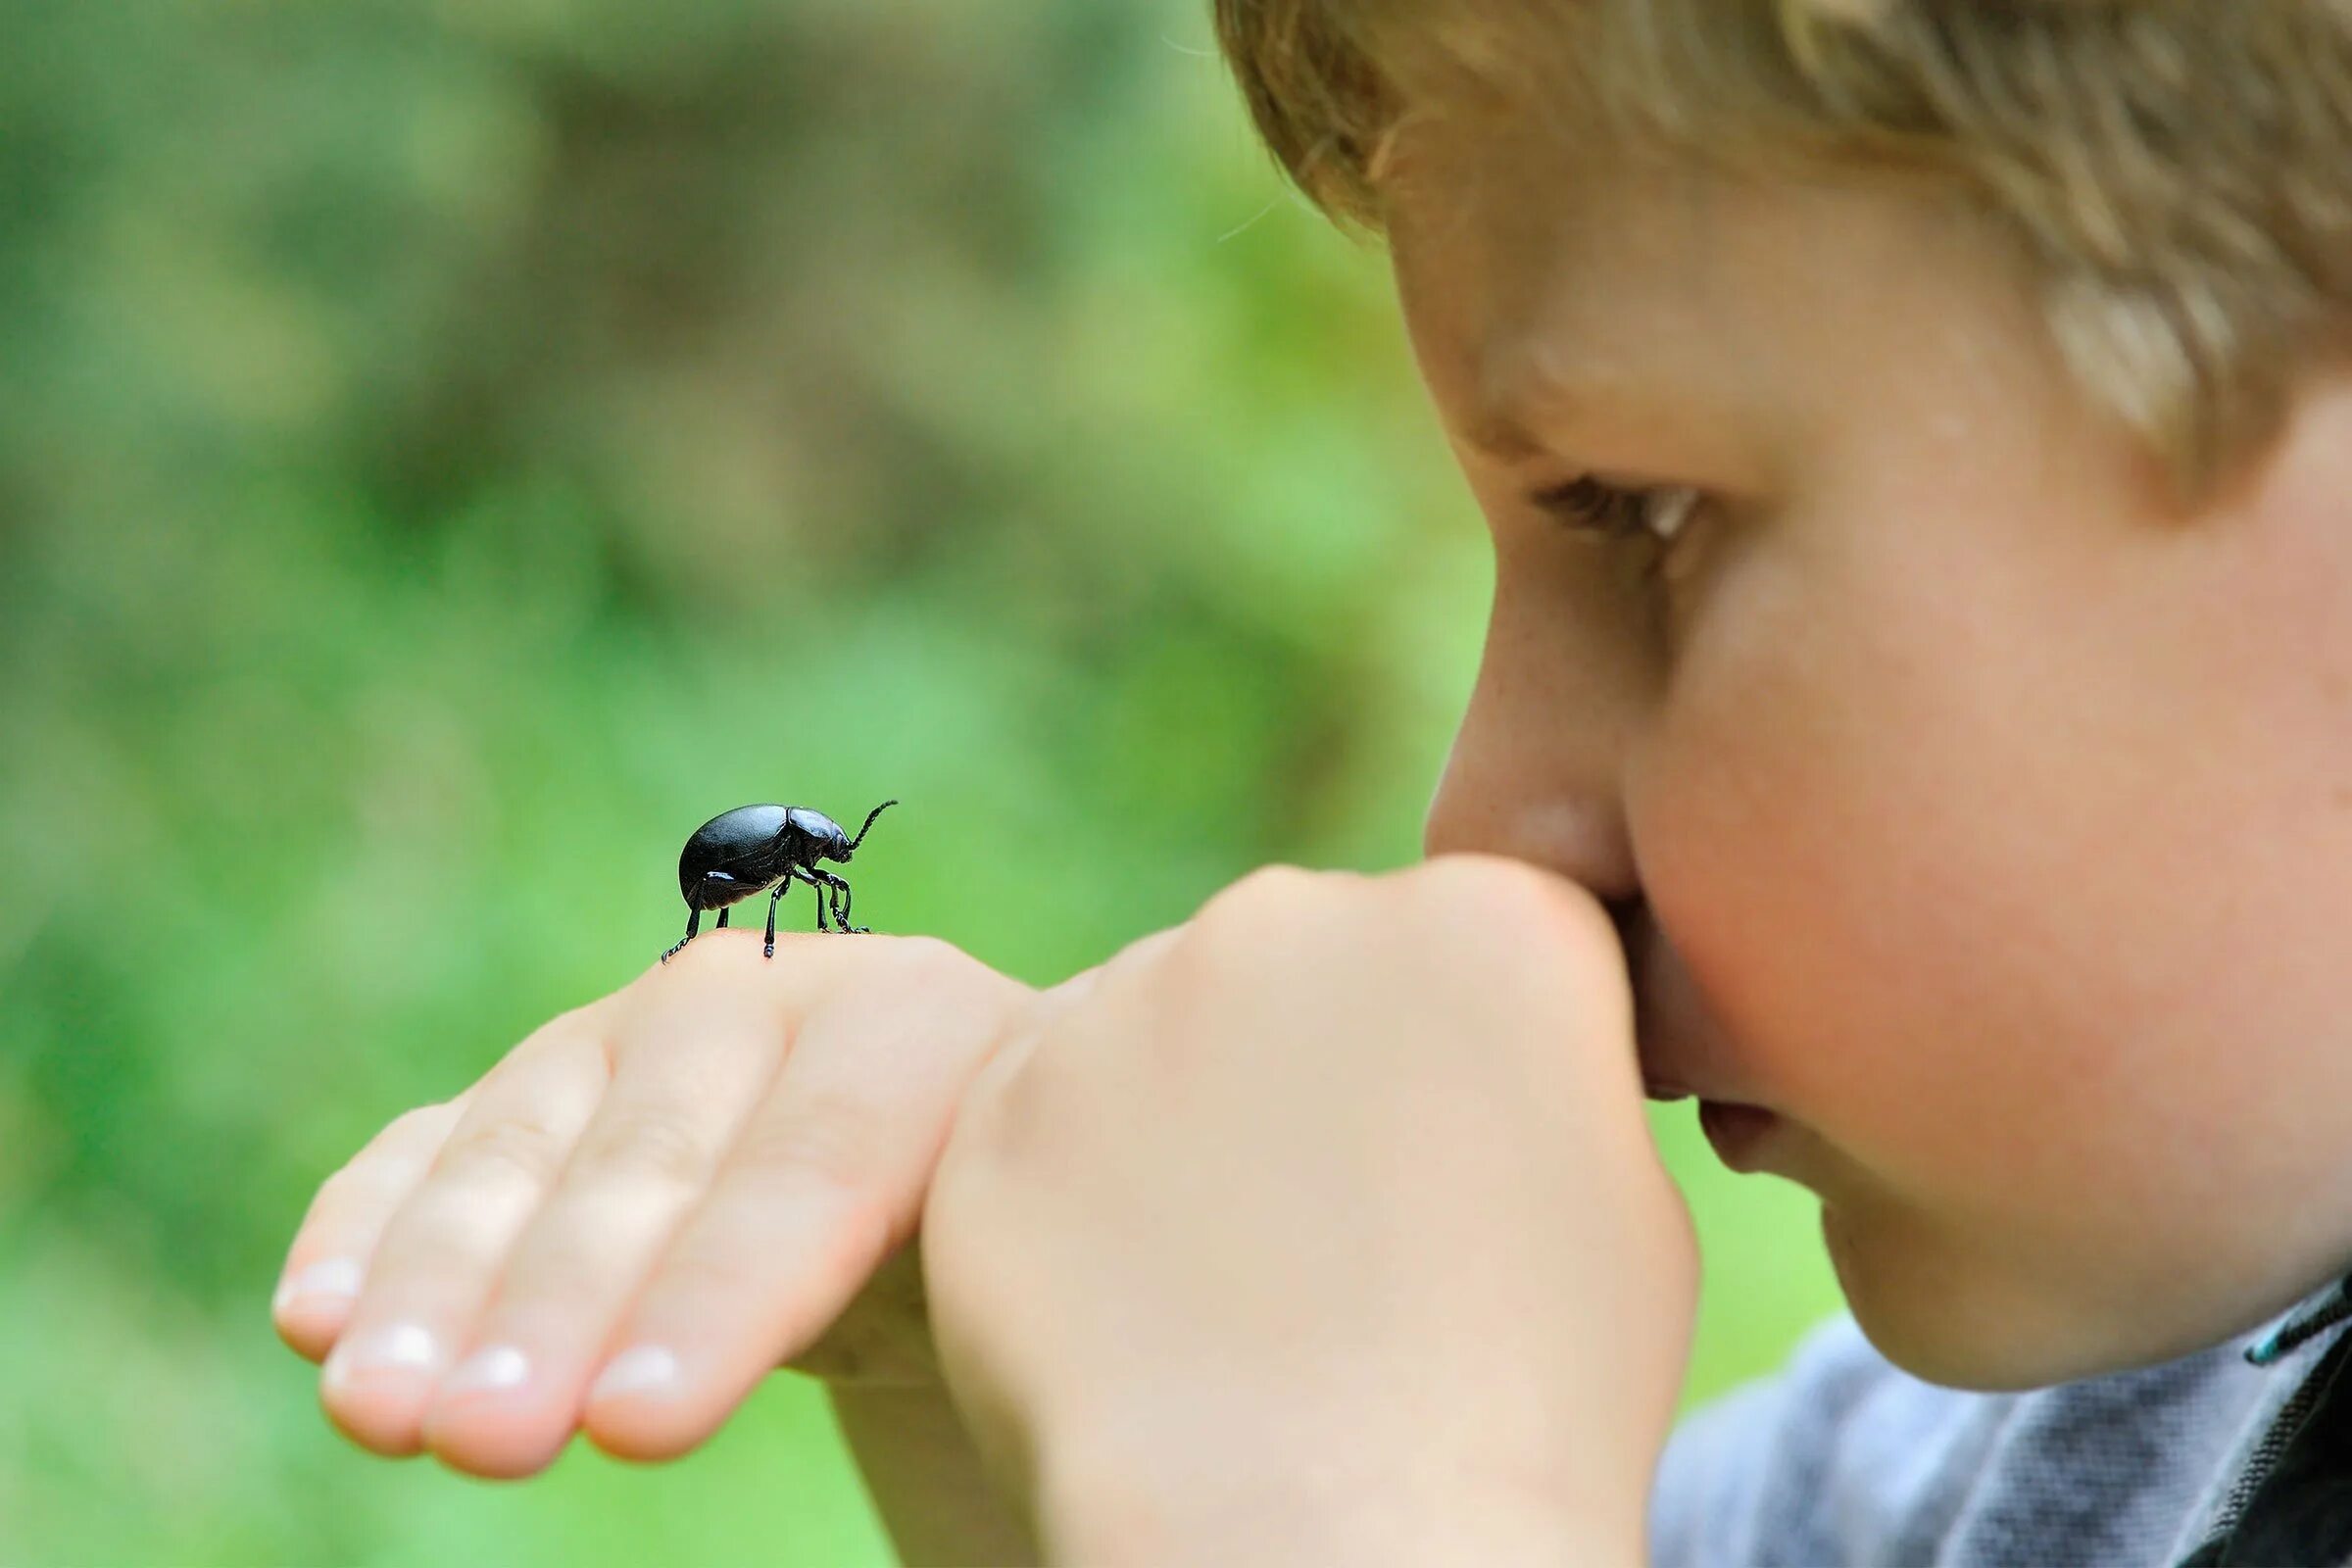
column 739, row 853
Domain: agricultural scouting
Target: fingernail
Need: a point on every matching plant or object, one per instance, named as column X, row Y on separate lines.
column 493, row 1366
column 396, row 1347
column 337, row 1276
column 643, row 1369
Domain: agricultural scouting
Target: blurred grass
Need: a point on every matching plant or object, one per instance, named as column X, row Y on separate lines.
column 446, row 453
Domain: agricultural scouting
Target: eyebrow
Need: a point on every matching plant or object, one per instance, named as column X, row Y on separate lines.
column 1501, row 436
column 1499, row 426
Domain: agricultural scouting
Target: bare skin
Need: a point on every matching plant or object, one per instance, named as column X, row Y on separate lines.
column 1993, row 819
column 725, row 1159
column 1326, row 1227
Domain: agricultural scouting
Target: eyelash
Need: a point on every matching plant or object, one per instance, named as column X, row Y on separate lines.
column 1589, row 508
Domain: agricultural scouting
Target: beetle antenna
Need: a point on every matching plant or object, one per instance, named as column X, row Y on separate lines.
column 870, row 823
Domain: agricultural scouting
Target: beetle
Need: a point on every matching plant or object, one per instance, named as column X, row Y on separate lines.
column 739, row 853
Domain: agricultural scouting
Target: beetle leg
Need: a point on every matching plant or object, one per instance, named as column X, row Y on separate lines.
column 722, row 921
column 804, row 874
column 694, row 920
column 784, row 886
column 841, row 901
column 713, row 883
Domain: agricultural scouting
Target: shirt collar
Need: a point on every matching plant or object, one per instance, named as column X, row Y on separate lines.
column 2323, row 1309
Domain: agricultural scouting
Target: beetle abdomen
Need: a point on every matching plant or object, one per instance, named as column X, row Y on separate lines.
column 745, row 843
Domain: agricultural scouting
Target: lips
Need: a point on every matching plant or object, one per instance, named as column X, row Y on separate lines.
column 1677, row 1038
column 1641, row 950
column 1660, row 1080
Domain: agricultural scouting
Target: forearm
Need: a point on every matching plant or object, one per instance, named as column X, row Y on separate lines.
column 927, row 1481
column 1274, row 1514
column 1467, row 1533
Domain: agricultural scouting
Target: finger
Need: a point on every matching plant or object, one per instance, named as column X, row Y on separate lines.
column 826, row 1180
column 1055, row 1002
column 1129, row 958
column 442, row 1248
column 690, row 1072
column 338, row 1235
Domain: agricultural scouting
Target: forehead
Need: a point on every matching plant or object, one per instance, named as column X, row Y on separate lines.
column 1527, row 259
column 1543, row 279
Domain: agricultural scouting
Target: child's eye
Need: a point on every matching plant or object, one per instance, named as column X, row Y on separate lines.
column 1586, row 505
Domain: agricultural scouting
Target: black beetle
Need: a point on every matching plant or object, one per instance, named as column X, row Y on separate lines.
column 739, row 853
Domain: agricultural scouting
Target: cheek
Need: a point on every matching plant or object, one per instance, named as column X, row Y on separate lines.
column 1844, row 826
column 1954, row 857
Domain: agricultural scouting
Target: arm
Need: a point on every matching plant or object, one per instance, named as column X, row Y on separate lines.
column 939, row 1508
column 1360, row 1499
column 1471, row 1530
column 1227, row 1262
column 926, row 1479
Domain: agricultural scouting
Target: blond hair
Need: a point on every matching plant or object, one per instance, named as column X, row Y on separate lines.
column 2176, row 172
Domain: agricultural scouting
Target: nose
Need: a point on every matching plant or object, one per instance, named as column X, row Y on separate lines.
column 1552, row 802
column 1572, row 827
column 1537, row 765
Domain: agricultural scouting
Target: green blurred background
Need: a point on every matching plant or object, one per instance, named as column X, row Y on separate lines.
column 448, row 451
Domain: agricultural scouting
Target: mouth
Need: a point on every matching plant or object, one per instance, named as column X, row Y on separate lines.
column 1671, row 1024
column 1742, row 1136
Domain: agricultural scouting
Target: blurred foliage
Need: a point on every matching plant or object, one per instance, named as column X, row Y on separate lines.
column 448, row 451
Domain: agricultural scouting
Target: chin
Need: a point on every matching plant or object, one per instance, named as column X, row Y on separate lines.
column 1963, row 1321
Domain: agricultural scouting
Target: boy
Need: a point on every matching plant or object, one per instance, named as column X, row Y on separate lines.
column 1916, row 437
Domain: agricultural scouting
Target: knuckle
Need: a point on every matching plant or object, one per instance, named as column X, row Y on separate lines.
column 710, row 954
column 1522, row 896
column 378, row 1167
column 1269, row 891
column 1271, row 915
column 941, row 967
column 367, row 1181
column 641, row 1143
column 581, row 1034
column 412, row 1124
column 925, row 960
column 511, row 1145
column 393, row 1158
column 1276, row 882
column 551, row 1035
column 927, row 951
column 706, row 954
column 822, row 1137
column 1135, row 958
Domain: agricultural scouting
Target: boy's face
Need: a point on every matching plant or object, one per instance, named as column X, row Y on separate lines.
column 1995, row 821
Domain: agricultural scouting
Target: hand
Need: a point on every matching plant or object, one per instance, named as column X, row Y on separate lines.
column 1328, row 1226
column 725, row 1160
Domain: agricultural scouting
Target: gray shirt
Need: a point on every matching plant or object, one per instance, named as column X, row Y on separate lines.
column 1841, row 1459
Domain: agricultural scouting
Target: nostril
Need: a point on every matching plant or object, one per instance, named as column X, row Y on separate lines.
column 1625, row 915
